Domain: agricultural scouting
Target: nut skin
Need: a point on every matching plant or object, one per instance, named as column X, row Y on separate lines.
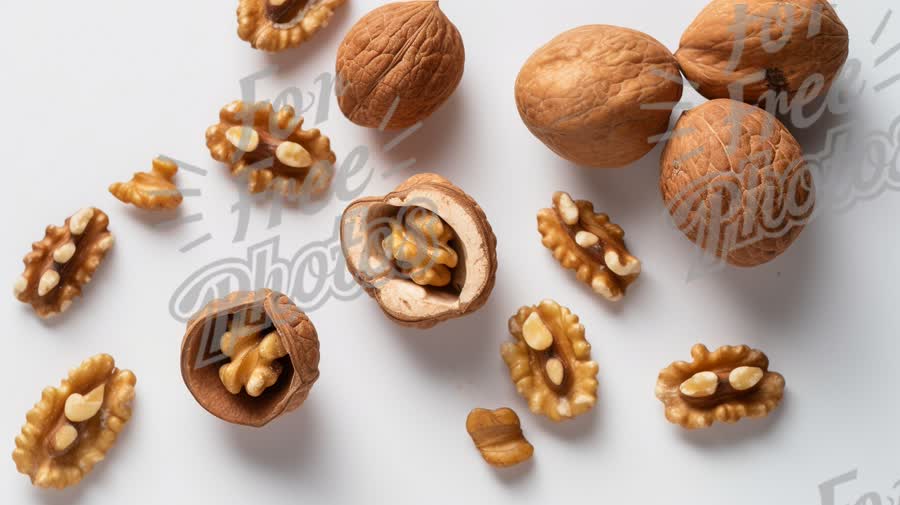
column 765, row 48
column 735, row 182
column 727, row 404
column 59, row 468
column 200, row 366
column 366, row 222
column 275, row 29
column 587, row 94
column 498, row 436
column 398, row 65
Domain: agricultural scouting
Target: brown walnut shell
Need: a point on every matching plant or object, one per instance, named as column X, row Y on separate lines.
column 367, row 221
column 201, row 356
column 398, row 65
column 736, row 183
column 750, row 49
column 597, row 95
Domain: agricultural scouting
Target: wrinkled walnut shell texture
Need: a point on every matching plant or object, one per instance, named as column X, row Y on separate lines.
column 585, row 94
column 96, row 435
column 401, row 300
column 201, row 374
column 729, row 164
column 405, row 54
column 815, row 42
column 760, row 402
column 255, row 27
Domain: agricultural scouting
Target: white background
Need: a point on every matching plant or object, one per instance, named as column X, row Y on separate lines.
column 94, row 90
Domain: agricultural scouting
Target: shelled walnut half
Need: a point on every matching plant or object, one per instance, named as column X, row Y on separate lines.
column 74, row 425
column 588, row 243
column 550, row 361
column 278, row 153
column 425, row 252
column 58, row 267
column 270, row 350
column 154, row 190
column 726, row 385
column 275, row 25
column 498, row 436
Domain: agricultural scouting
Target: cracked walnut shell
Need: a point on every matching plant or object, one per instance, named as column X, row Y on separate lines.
column 410, row 286
column 153, row 190
column 736, row 183
column 398, row 65
column 550, row 361
column 726, row 386
column 761, row 50
column 498, row 436
column 60, row 265
column 292, row 356
column 598, row 95
column 588, row 243
column 275, row 25
column 274, row 148
column 75, row 424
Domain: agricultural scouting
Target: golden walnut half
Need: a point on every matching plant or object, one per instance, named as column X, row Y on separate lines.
column 398, row 65
column 588, row 243
column 425, row 252
column 736, row 183
column 726, row 386
column 598, row 94
column 273, row 147
column 550, row 361
column 250, row 357
column 153, row 190
column 498, row 436
column 61, row 264
column 755, row 50
column 74, row 425
column 275, row 25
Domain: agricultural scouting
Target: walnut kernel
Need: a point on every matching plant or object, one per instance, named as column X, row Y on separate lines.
column 275, row 25
column 560, row 381
column 420, row 246
column 153, row 190
column 254, row 364
column 61, row 442
column 588, row 243
column 498, row 436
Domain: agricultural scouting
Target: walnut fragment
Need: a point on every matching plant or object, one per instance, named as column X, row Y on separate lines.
column 58, row 267
column 74, row 425
column 588, row 243
column 154, row 190
column 412, row 291
column 276, row 25
column 209, row 351
column 550, row 361
column 274, row 148
column 498, row 436
column 726, row 385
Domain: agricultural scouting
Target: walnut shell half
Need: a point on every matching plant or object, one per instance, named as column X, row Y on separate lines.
column 266, row 311
column 399, row 64
column 753, row 49
column 367, row 222
column 596, row 95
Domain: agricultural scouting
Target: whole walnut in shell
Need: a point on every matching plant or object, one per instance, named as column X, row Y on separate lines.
column 597, row 95
column 752, row 49
column 398, row 65
column 447, row 263
column 736, row 183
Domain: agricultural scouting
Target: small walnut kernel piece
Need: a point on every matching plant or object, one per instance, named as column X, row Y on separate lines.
column 588, row 243
column 154, row 190
column 559, row 382
column 253, row 362
column 57, row 451
column 536, row 333
column 275, row 25
column 81, row 408
column 498, row 436
column 420, row 247
column 726, row 385
column 65, row 260
column 278, row 153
